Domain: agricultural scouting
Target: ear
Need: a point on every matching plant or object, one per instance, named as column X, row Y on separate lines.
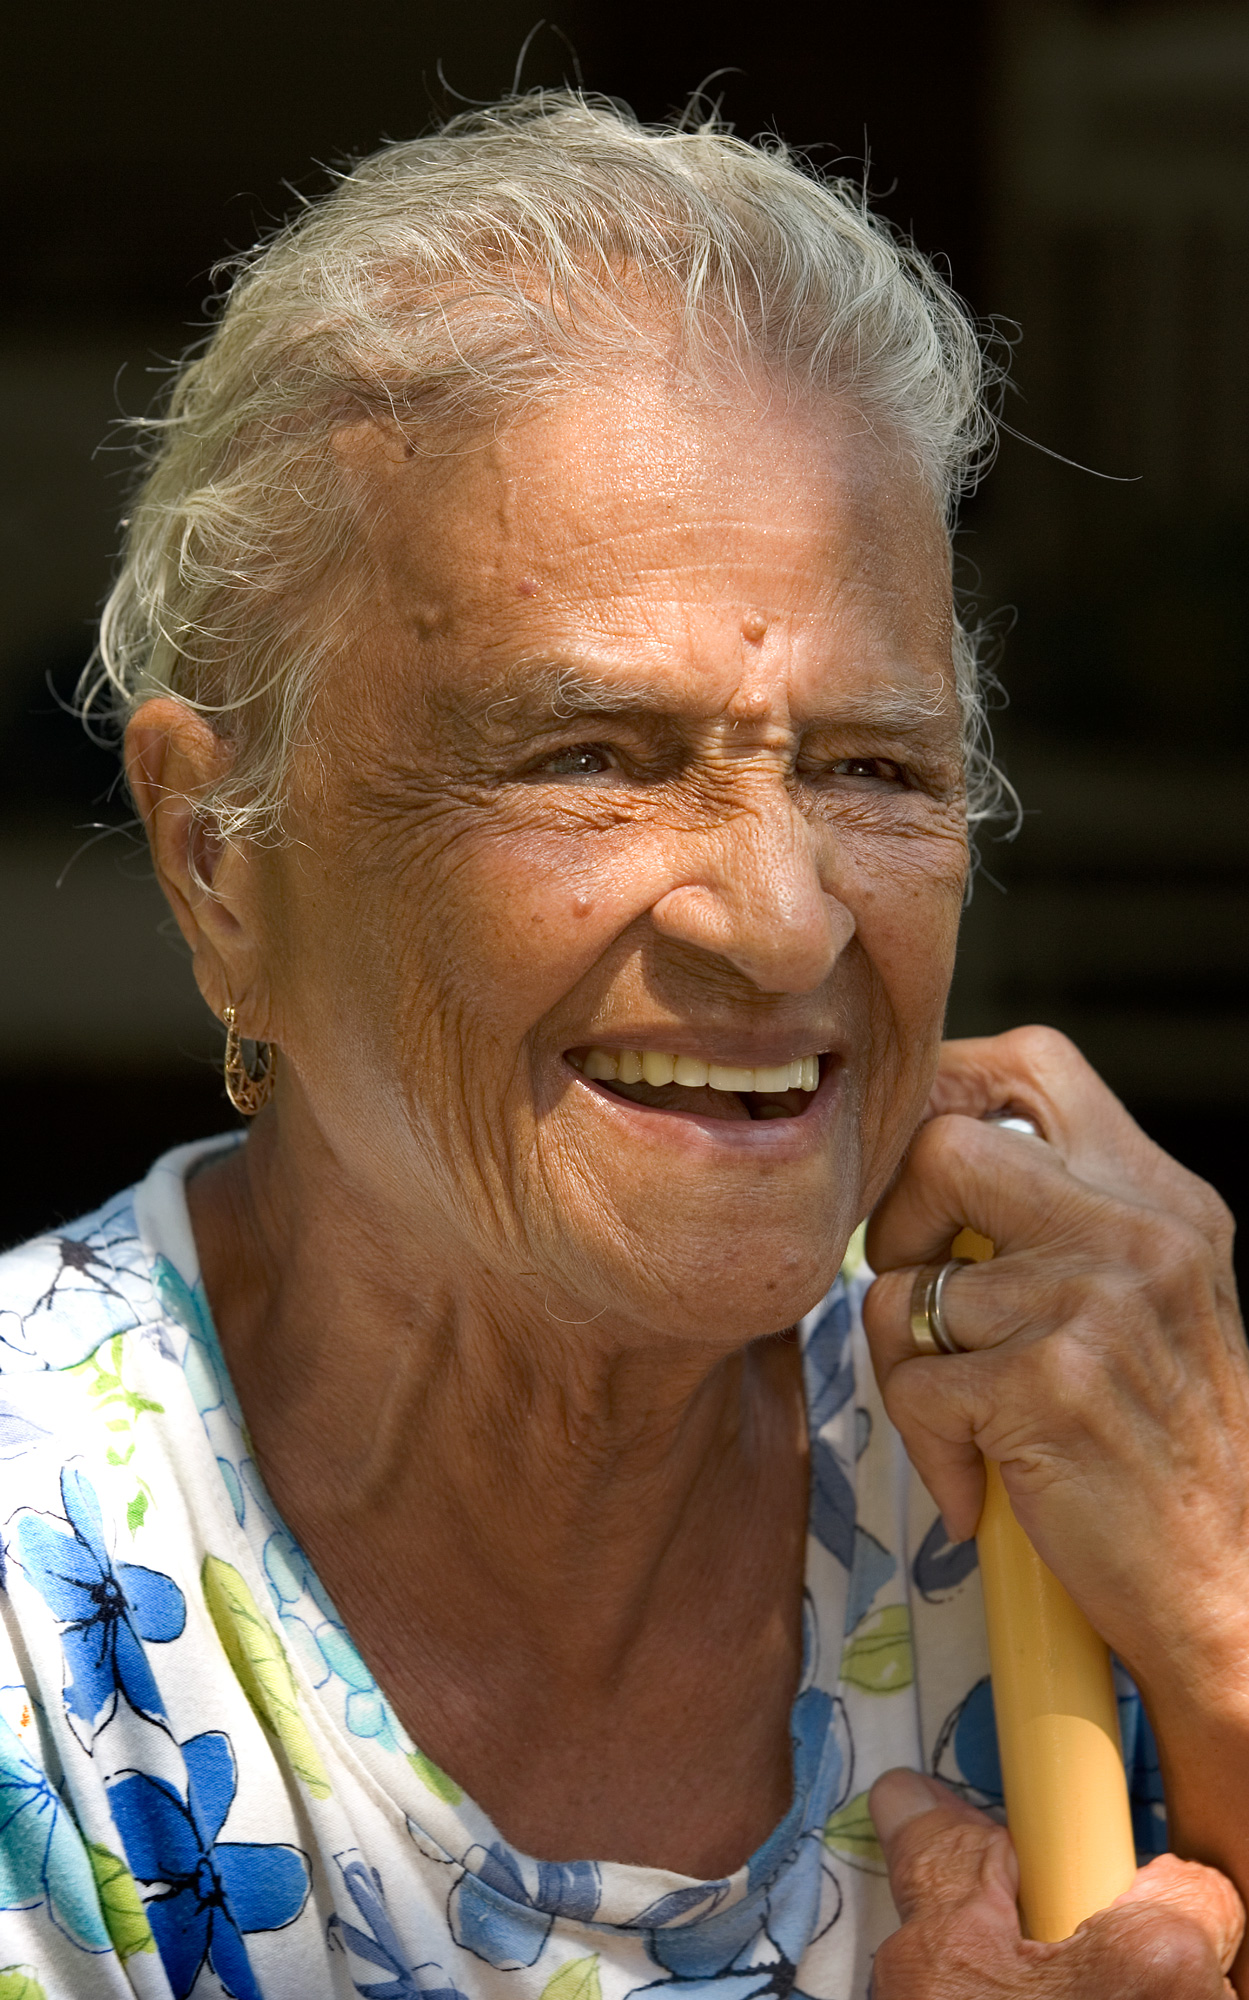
column 172, row 757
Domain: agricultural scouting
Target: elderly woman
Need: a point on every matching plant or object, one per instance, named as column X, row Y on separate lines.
column 458, row 1543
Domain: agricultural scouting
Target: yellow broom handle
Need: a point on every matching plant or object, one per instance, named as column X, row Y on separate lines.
column 1057, row 1722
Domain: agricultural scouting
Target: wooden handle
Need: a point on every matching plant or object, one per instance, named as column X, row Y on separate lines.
column 1057, row 1722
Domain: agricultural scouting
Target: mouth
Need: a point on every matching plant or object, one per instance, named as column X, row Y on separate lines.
column 703, row 1088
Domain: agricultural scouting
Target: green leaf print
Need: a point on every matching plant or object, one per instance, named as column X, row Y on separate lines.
column 878, row 1655
column 578, row 1980
column 125, row 1918
column 433, row 1779
column 262, row 1669
column 109, row 1386
column 136, row 1511
column 18, row 1982
column 851, row 1833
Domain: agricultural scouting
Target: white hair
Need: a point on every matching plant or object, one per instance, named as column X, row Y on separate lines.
column 441, row 286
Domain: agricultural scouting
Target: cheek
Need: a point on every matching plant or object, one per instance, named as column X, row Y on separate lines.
column 907, row 920
column 908, row 931
column 912, row 949
column 524, row 915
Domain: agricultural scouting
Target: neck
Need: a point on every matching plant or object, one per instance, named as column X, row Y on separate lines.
column 384, row 1383
column 571, row 1551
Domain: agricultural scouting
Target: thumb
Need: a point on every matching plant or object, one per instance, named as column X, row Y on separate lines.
column 941, row 1852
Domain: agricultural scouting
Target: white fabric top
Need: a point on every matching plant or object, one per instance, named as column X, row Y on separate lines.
column 203, row 1789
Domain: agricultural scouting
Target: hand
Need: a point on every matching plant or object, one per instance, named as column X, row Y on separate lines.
column 1171, row 1936
column 1107, row 1370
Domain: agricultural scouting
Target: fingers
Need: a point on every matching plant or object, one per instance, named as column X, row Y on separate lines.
column 1033, row 1070
column 942, row 1853
column 1173, row 1936
column 1139, row 1952
column 1202, row 1895
column 1038, row 1071
column 943, row 1409
column 1011, row 1187
column 981, row 1304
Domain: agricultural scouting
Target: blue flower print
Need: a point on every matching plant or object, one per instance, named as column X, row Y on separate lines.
column 832, row 1519
column 69, row 1293
column 366, row 1710
column 107, row 1608
column 828, row 1360
column 379, row 1943
column 326, row 1648
column 209, row 1892
column 941, row 1565
column 775, row 1981
column 965, row 1755
column 17, row 1433
column 495, row 1916
column 42, row 1856
column 753, row 1947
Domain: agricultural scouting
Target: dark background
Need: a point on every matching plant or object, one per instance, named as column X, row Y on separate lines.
column 1084, row 168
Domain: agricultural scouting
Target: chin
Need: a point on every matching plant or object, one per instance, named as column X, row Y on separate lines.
column 731, row 1287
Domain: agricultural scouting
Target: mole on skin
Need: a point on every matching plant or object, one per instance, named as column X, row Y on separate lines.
column 754, row 625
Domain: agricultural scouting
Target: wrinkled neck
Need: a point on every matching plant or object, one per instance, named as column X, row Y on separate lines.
column 384, row 1378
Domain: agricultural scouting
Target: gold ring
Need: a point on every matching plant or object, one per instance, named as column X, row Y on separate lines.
column 928, row 1328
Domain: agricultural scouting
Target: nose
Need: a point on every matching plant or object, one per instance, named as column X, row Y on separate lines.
column 753, row 894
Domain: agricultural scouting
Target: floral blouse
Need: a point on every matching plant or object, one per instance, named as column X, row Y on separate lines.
column 204, row 1791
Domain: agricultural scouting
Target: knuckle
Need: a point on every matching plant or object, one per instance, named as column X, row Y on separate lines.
column 1163, row 1955
column 1214, row 1217
column 1174, row 1241
column 1159, row 1259
column 934, row 1144
column 1190, row 1197
column 1178, row 1273
column 1068, row 1365
column 1044, row 1051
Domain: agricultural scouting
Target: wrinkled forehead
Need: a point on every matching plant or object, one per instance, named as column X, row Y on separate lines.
column 630, row 531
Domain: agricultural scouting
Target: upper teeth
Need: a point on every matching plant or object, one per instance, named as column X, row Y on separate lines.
column 650, row 1066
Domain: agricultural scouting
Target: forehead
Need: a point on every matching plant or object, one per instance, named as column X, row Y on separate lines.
column 637, row 526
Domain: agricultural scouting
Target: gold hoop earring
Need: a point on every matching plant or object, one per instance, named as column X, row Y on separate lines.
column 248, row 1090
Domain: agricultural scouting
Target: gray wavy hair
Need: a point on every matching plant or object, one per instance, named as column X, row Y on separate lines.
column 443, row 285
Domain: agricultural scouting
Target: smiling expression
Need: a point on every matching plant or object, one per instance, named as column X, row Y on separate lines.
column 646, row 754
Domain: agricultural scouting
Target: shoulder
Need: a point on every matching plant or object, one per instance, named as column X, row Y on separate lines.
column 129, row 1267
column 63, row 1294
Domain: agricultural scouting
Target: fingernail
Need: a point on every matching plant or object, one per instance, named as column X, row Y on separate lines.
column 901, row 1796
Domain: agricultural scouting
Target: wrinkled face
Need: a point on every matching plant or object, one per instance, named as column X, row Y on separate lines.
column 611, row 953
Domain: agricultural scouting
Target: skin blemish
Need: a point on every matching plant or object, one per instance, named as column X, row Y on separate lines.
column 582, row 904
column 749, row 706
column 526, row 587
column 754, row 625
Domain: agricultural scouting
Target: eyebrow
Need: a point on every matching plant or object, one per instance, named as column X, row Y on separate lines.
column 541, row 690
column 559, row 690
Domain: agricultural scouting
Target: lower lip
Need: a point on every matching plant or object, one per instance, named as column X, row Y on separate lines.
column 774, row 1138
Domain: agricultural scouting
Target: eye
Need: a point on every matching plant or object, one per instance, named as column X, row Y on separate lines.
column 872, row 770
column 579, row 760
